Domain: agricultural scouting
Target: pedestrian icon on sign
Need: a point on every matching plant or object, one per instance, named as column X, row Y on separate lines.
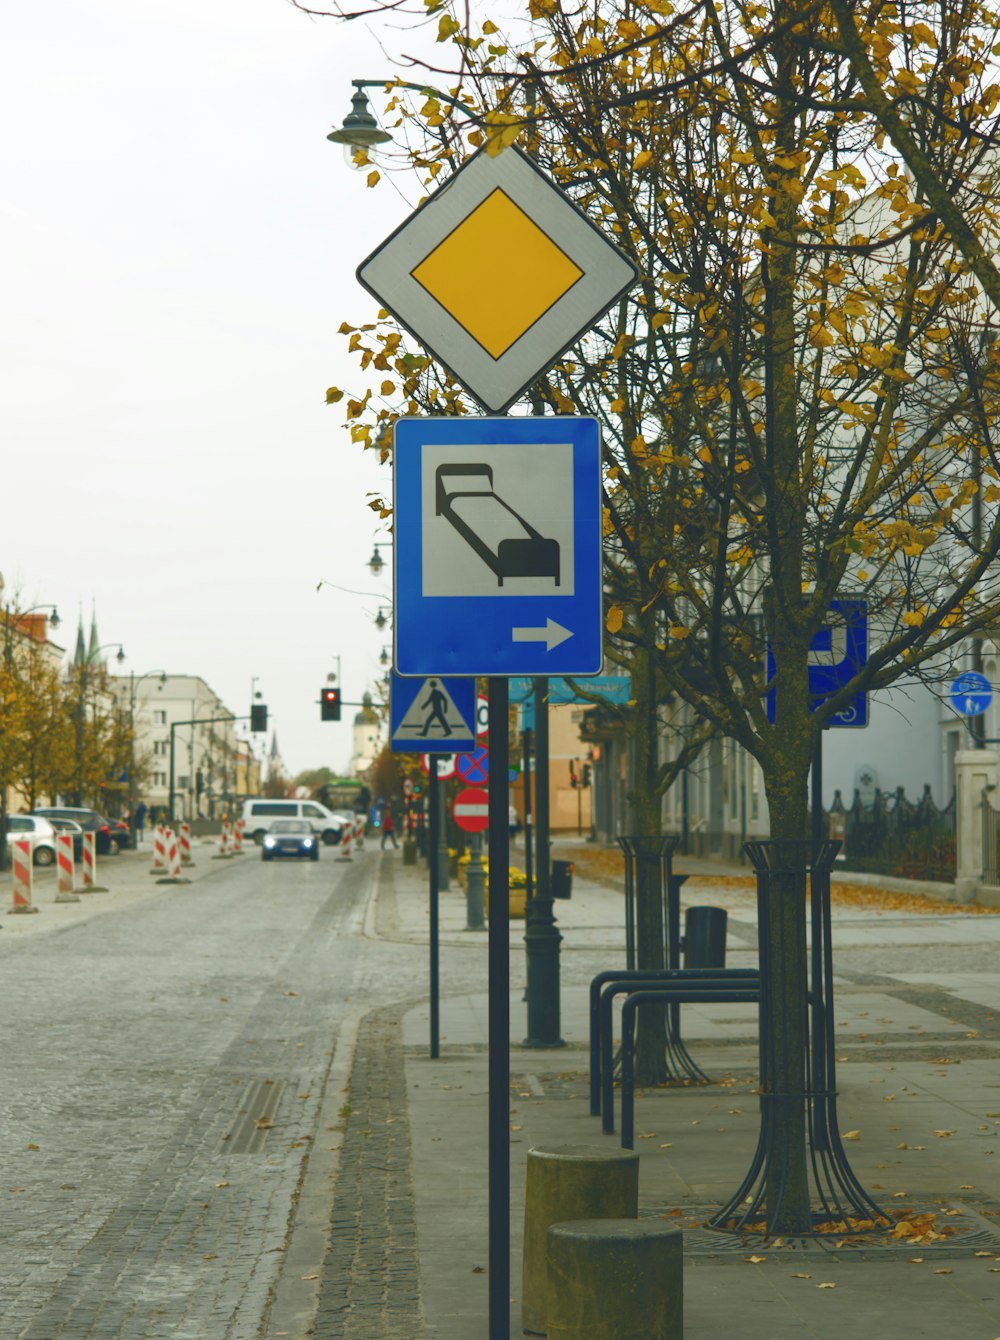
column 435, row 714
column 438, row 704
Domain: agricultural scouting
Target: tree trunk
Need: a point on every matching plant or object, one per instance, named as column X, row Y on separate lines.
column 786, row 1010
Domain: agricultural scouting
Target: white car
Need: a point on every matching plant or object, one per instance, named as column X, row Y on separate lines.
column 39, row 833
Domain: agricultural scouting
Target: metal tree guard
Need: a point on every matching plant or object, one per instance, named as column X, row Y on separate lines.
column 835, row 1190
column 658, row 852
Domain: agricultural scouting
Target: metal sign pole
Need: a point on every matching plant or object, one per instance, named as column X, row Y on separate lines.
column 434, row 880
column 499, row 1015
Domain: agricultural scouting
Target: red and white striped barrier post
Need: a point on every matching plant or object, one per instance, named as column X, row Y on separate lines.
column 173, row 858
column 185, row 845
column 159, row 852
column 22, row 871
column 66, row 869
column 224, row 839
column 345, row 844
column 238, row 838
column 359, row 832
column 89, row 865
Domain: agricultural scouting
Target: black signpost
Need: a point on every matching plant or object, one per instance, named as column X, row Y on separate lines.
column 499, row 1014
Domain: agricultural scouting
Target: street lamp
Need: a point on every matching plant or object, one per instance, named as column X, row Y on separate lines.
column 376, row 563
column 360, row 130
column 381, row 619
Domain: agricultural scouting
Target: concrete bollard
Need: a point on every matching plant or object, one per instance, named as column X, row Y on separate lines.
column 569, row 1182
column 615, row 1279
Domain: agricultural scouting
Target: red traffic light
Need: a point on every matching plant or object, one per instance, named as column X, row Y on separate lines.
column 329, row 704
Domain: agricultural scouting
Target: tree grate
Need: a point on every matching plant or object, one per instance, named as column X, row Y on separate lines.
column 970, row 1230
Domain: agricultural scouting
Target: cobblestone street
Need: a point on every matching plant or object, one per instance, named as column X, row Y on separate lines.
column 162, row 1075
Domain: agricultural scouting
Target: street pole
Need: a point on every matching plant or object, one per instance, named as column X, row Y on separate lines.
column 529, row 872
column 195, row 721
column 541, row 935
column 434, row 885
column 499, row 1015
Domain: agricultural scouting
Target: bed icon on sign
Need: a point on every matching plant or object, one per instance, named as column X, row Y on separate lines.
column 525, row 552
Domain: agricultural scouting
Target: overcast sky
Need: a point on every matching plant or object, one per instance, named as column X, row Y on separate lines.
column 178, row 246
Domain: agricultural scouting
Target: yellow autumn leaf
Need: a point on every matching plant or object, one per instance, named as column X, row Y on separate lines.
column 503, row 129
column 913, row 618
column 679, row 631
column 447, row 27
column 820, row 337
column 387, row 388
column 490, row 27
column 333, row 394
column 373, row 178
column 614, row 619
column 852, row 1135
column 643, row 160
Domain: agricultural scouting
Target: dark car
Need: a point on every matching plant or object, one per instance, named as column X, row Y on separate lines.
column 290, row 837
column 108, row 841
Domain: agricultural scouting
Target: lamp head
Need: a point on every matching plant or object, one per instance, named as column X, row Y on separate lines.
column 360, row 129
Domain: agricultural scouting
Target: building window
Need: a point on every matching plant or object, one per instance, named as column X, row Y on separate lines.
column 160, row 747
column 159, row 779
column 159, row 717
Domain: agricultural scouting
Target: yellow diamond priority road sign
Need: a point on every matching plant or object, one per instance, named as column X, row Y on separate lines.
column 497, row 274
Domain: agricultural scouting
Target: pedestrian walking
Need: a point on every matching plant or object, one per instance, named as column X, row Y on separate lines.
column 140, row 819
column 388, row 828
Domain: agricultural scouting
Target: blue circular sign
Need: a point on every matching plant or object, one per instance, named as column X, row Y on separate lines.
column 971, row 694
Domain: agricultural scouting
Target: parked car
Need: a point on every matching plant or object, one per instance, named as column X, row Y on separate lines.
column 290, row 837
column 70, row 826
column 259, row 816
column 39, row 832
column 108, row 842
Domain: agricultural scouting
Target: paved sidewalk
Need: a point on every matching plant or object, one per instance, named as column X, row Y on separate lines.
column 918, row 1034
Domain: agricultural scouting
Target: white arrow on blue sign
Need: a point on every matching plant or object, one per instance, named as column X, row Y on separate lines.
column 497, row 549
column 971, row 694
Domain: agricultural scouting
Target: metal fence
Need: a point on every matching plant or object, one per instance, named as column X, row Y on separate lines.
column 891, row 835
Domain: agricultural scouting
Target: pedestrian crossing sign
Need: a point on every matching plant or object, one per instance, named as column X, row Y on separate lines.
column 433, row 715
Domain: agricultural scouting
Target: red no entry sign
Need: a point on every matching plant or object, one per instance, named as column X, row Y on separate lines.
column 472, row 810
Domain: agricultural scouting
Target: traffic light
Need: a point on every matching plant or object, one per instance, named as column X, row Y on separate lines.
column 329, row 704
column 572, row 774
column 585, row 780
column 258, row 717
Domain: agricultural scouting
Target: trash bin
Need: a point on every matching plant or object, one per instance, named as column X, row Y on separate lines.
column 562, row 879
column 705, row 937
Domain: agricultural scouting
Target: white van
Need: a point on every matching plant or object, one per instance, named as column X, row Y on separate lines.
column 258, row 815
